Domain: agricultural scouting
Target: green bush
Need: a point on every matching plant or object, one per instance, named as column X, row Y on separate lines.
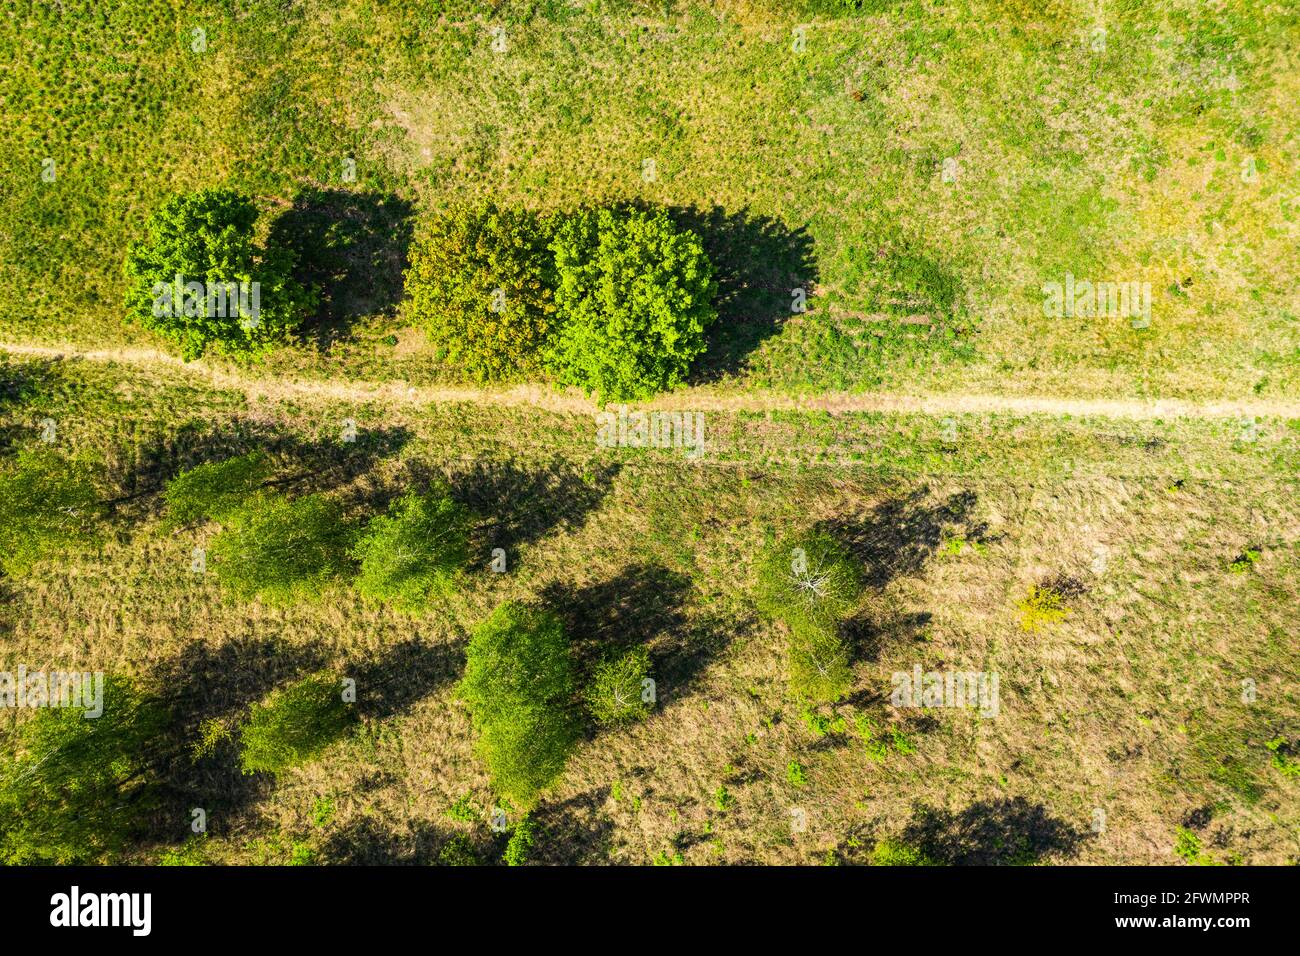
column 895, row 853
column 80, row 788
column 521, row 843
column 411, row 555
column 282, row 550
column 294, row 725
column 48, row 505
column 519, row 687
column 810, row 582
column 819, row 663
column 634, row 296
column 615, row 693
column 214, row 489
column 207, row 238
column 479, row 283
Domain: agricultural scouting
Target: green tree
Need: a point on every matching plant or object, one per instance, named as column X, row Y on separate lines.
column 214, row 489
column 294, row 724
column 207, row 237
column 809, row 581
column 48, row 505
column 82, row 787
column 634, row 295
column 282, row 550
column 411, row 555
column 480, row 283
column 521, row 843
column 519, row 687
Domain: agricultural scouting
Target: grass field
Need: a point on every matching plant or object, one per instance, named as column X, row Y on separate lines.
column 1132, row 704
column 921, row 170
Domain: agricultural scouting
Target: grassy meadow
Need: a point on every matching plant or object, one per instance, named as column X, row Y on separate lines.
column 1130, row 704
column 919, row 170
column 1129, row 140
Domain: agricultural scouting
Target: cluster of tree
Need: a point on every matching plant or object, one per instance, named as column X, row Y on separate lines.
column 614, row 299
column 82, row 790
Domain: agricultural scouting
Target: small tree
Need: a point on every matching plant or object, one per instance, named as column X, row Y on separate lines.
column 616, row 693
column 480, row 283
column 809, row 581
column 294, row 725
column 411, row 555
column 519, row 687
column 214, row 489
column 282, row 550
column 81, row 787
column 521, row 843
column 634, row 296
column 48, row 505
column 199, row 279
column 819, row 663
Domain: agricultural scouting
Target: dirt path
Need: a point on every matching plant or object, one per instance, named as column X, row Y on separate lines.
column 543, row 397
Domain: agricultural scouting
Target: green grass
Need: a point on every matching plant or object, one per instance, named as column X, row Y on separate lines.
column 1132, row 703
column 826, row 165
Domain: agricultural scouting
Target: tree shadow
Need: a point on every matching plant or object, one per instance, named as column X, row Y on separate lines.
column 366, row 842
column 154, row 458
column 1006, row 832
column 406, row 674
column 759, row 262
column 521, row 504
column 866, row 637
column 573, row 832
column 898, row 536
column 218, row 683
column 642, row 605
column 351, row 245
column 634, row 607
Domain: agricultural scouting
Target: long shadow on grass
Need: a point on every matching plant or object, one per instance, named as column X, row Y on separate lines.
column 353, row 247
column 898, row 536
column 573, row 831
column 220, row 682
column 644, row 604
column 405, row 675
column 992, row 832
column 366, row 842
column 520, row 504
column 156, row 457
column 759, row 262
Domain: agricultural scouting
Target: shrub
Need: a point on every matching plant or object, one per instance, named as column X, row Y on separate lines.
column 616, row 692
column 458, row 851
column 281, row 550
column 48, row 504
column 81, row 787
column 479, row 283
column 519, row 686
column 521, row 843
column 819, row 663
column 894, row 853
column 1043, row 605
column 808, row 580
column 293, row 725
column 214, row 489
column 634, row 296
column 410, row 555
column 207, row 238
